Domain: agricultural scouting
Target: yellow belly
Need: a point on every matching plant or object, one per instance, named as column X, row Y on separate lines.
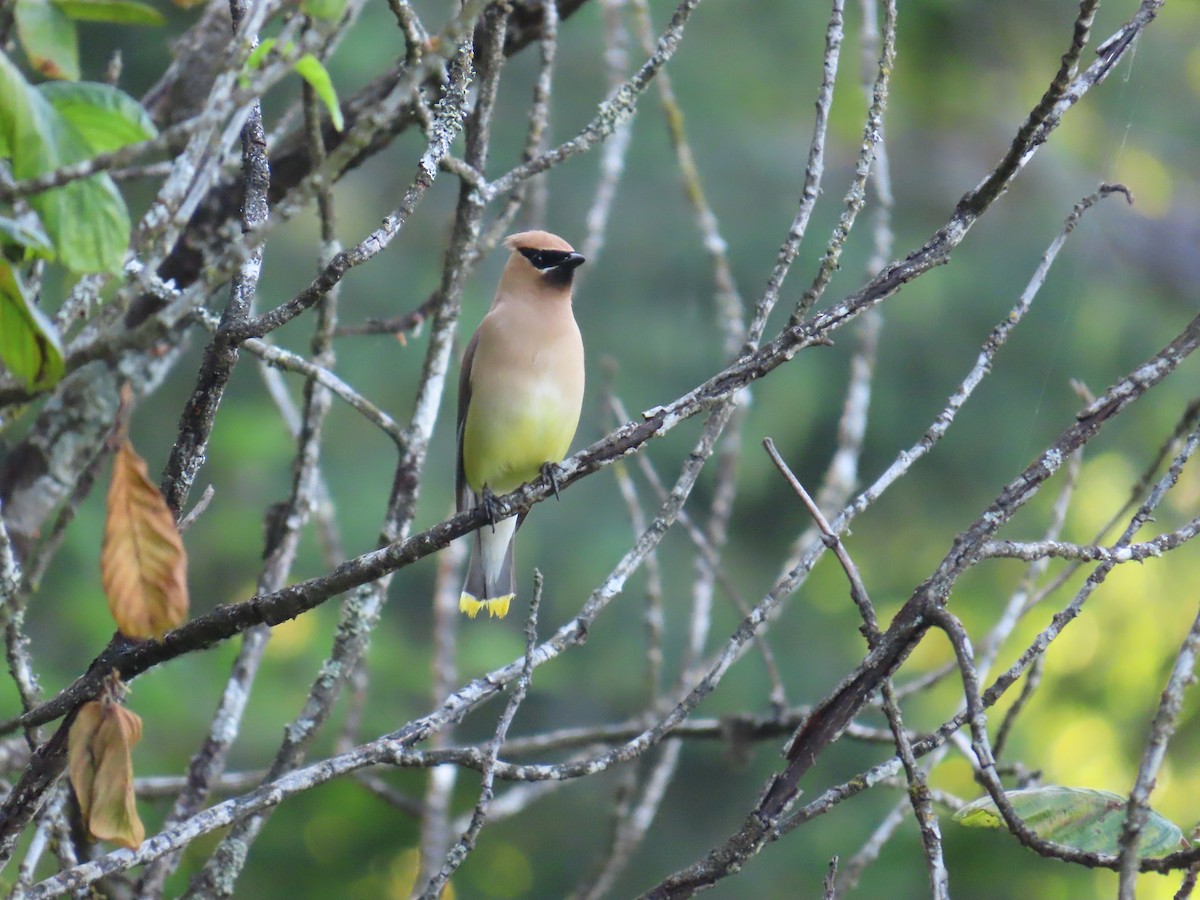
column 509, row 436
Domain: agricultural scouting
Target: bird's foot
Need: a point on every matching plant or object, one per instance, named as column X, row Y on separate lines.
column 490, row 506
column 550, row 473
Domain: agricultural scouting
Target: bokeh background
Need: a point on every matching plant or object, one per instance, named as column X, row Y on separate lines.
column 746, row 77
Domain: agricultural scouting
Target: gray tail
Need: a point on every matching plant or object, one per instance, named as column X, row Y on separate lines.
column 481, row 592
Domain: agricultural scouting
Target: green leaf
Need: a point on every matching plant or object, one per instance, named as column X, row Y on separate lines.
column 19, row 127
column 28, row 234
column 48, row 39
column 29, row 345
column 1083, row 818
column 21, row 123
column 125, row 12
column 310, row 69
column 329, row 10
column 86, row 220
column 106, row 118
column 259, row 53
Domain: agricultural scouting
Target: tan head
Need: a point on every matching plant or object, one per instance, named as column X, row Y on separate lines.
column 540, row 262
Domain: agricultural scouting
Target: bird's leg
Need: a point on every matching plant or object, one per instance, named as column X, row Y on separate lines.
column 550, row 473
column 488, row 501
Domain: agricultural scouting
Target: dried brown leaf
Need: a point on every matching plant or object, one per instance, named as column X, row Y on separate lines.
column 81, row 766
column 101, row 771
column 143, row 565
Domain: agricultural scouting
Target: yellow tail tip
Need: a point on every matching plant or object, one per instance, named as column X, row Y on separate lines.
column 469, row 605
column 499, row 607
column 496, row 608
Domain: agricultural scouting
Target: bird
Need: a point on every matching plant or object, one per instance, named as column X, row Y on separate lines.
column 520, row 394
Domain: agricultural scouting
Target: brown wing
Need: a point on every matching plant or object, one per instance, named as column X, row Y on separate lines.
column 462, row 491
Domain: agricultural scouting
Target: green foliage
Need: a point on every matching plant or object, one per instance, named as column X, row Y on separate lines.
column 48, row 38
column 122, row 12
column 259, row 53
column 46, row 29
column 106, row 118
column 328, row 10
column 1083, row 818
column 310, row 69
column 88, row 223
column 27, row 237
column 29, row 345
column 44, row 128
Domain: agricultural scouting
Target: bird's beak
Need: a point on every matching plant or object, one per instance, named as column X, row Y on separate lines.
column 572, row 262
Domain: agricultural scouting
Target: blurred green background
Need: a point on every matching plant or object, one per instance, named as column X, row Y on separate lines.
column 746, row 78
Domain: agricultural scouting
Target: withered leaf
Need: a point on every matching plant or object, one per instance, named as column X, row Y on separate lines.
column 101, row 771
column 143, row 565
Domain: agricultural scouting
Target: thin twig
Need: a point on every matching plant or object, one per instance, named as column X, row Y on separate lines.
column 612, row 157
column 361, row 608
column 918, row 789
column 856, row 194
column 858, row 591
column 612, row 112
column 1153, row 755
column 439, row 788
column 653, row 615
column 539, row 111
column 829, row 888
column 188, row 455
column 447, row 122
column 466, row 843
column 814, row 170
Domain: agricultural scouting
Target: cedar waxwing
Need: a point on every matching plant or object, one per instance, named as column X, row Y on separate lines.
column 519, row 398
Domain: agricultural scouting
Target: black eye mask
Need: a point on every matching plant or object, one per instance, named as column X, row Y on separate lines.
column 557, row 266
column 550, row 259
